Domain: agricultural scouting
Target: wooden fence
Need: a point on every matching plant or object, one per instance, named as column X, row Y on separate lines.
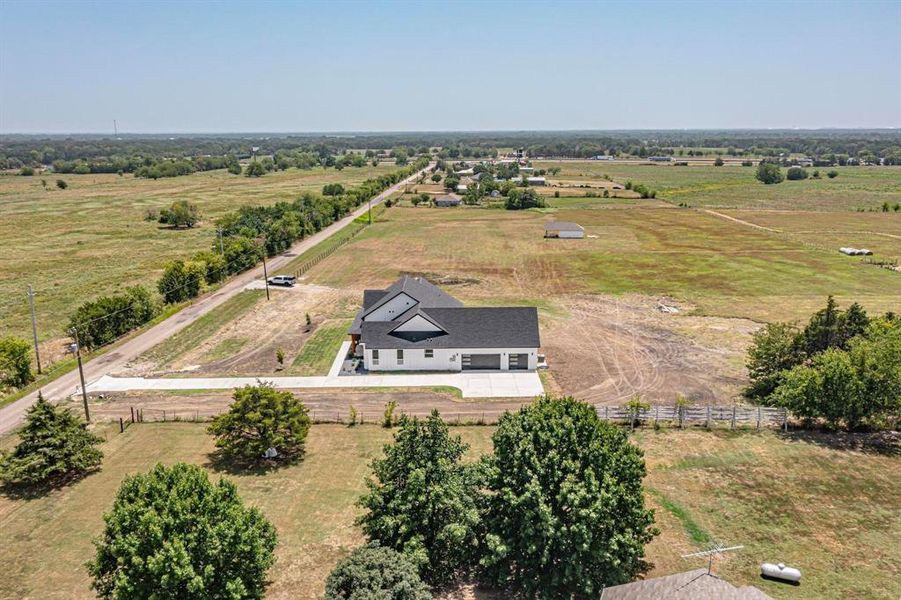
column 709, row 416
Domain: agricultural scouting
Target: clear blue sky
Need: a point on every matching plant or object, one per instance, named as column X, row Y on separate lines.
column 295, row 66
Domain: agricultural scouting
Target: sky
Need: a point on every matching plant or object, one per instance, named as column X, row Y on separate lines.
column 216, row 67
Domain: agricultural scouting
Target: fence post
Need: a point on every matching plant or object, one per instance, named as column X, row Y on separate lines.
column 733, row 416
column 758, row 417
column 132, row 413
column 606, row 413
column 708, row 416
column 121, row 425
column 785, row 420
column 164, row 416
column 656, row 415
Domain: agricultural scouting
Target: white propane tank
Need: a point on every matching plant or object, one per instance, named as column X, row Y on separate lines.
column 780, row 571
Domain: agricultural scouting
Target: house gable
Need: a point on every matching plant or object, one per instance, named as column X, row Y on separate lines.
column 418, row 323
column 390, row 309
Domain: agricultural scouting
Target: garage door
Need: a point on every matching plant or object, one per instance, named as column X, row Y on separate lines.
column 519, row 362
column 481, row 361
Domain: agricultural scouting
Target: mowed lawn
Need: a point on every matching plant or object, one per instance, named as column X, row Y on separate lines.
column 722, row 267
column 835, row 514
column 92, row 239
column 735, row 186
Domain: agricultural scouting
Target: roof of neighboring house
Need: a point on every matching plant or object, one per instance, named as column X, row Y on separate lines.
column 690, row 585
column 418, row 288
column 499, row 327
column 448, row 199
column 562, row 226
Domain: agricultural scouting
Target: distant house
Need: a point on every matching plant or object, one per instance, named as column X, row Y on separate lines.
column 690, row 585
column 562, row 229
column 462, row 188
column 660, row 158
column 536, row 180
column 413, row 325
column 465, row 172
column 526, row 169
column 602, row 157
column 447, row 200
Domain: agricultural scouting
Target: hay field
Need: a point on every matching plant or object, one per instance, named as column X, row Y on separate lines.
column 91, row 238
column 734, row 186
column 833, row 513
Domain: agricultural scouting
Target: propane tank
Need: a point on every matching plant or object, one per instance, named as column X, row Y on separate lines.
column 780, row 571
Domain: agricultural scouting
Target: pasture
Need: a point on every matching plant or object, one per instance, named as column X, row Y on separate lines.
column 734, row 186
column 834, row 513
column 92, row 239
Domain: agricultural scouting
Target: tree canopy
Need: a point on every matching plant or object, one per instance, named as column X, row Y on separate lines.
column 54, row 447
column 565, row 508
column 375, row 573
column 769, row 173
column 421, row 500
column 180, row 213
column 260, row 418
column 172, row 533
column 15, row 362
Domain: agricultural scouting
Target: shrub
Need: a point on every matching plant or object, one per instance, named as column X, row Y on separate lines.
column 332, row 189
column 26, row 171
column 796, row 173
column 564, row 488
column 241, row 253
column 254, row 169
column 172, row 533
column 747, row 163
column 107, row 318
column 61, row 184
column 523, row 199
column 54, row 447
column 15, row 362
column 718, row 162
column 769, row 173
column 261, row 418
column 214, row 269
column 421, row 499
column 181, row 280
column 180, row 213
column 373, row 572
column 388, row 416
column 832, row 174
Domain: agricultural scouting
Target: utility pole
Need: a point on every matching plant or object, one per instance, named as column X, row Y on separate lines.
column 84, row 391
column 34, row 328
column 370, row 211
column 219, row 233
column 265, row 276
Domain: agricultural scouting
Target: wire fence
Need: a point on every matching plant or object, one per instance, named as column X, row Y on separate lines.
column 325, row 253
column 709, row 416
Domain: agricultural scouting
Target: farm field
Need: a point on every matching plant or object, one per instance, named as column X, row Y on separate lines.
column 91, row 238
column 733, row 186
column 834, row 513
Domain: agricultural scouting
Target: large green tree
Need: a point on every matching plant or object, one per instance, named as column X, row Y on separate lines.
column 373, row 572
column 769, row 173
column 565, row 505
column 181, row 280
column 261, row 418
column 180, row 213
column 15, row 362
column 54, row 447
column 422, row 499
column 773, row 350
column 173, row 534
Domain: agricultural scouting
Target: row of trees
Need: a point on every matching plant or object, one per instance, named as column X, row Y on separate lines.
column 15, row 363
column 842, row 366
column 556, row 511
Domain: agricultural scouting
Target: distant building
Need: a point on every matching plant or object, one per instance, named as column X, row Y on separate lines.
column 536, row 180
column 602, row 157
column 447, row 200
column 563, row 229
column 660, row 158
column 462, row 188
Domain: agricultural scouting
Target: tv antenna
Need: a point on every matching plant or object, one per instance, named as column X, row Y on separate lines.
column 115, row 128
column 715, row 550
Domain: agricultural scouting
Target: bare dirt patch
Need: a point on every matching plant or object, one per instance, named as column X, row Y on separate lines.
column 610, row 348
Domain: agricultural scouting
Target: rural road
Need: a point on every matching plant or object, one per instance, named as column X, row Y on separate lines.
column 12, row 414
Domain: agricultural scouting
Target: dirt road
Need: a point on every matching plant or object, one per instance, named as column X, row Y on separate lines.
column 12, row 414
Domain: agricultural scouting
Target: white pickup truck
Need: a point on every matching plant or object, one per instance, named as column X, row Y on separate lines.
column 285, row 280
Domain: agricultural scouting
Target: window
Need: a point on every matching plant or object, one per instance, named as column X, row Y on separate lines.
column 429, row 353
column 400, row 357
column 375, row 357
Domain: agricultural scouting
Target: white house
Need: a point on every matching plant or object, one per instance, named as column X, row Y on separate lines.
column 562, row 229
column 536, row 180
column 414, row 326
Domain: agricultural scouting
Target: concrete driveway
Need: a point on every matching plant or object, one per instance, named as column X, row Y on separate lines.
column 472, row 384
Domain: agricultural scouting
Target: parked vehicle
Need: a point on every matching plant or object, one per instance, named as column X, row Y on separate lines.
column 284, row 280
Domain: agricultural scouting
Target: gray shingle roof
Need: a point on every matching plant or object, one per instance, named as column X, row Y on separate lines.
column 501, row 327
column 562, row 226
column 426, row 294
column 690, row 585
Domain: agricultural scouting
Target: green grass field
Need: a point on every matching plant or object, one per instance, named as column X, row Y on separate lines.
column 91, row 238
column 723, row 267
column 736, row 187
column 833, row 513
column 319, row 351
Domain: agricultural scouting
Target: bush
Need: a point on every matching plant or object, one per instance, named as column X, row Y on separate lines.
column 332, row 189
column 564, row 488
column 54, row 447
column 832, row 174
column 796, row 173
column 747, row 163
column 718, row 162
column 422, row 499
column 26, row 171
column 769, row 173
column 241, row 253
column 388, row 419
column 255, row 169
column 181, row 281
column 107, row 318
column 214, row 266
column 523, row 199
column 172, row 533
column 15, row 362
column 259, row 419
column 372, row 573
column 180, row 213
column 61, row 184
